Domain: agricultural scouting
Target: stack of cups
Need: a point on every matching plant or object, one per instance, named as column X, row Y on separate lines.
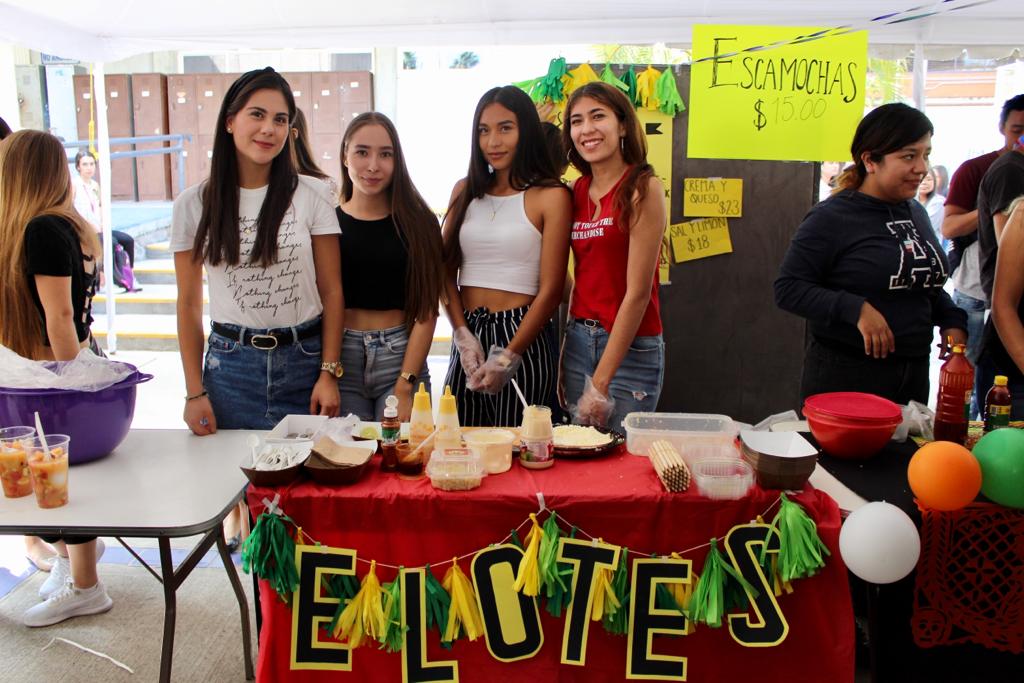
column 29, row 463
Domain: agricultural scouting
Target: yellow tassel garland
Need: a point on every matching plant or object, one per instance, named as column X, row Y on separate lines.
column 364, row 615
column 464, row 610
column 528, row 576
column 605, row 601
column 581, row 75
column 683, row 592
column 646, row 88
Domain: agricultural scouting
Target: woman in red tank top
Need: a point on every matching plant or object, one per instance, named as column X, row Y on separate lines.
column 613, row 358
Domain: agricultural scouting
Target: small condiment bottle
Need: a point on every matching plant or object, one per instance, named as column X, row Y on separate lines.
column 997, row 405
column 389, row 429
column 421, row 421
column 449, row 433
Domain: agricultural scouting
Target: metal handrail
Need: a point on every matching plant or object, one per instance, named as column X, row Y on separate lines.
column 179, row 138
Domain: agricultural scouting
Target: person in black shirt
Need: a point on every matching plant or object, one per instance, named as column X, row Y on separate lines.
column 49, row 255
column 867, row 272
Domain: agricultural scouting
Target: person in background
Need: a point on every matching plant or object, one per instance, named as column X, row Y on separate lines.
column 553, row 141
column 302, row 153
column 867, row 272
column 1004, row 340
column 506, row 237
column 49, row 255
column 613, row 356
column 941, row 179
column 928, row 196
column 5, row 130
column 87, row 203
column 392, row 271
column 827, row 183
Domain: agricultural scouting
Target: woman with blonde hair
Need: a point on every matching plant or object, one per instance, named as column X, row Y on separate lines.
column 49, row 255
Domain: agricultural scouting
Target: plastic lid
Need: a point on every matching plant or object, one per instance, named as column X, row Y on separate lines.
column 391, row 406
column 853, row 405
column 421, row 399
column 447, row 406
column 1001, row 380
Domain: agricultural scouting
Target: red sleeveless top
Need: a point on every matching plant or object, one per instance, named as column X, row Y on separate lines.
column 600, row 249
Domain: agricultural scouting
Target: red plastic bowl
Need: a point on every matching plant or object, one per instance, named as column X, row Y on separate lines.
column 848, row 438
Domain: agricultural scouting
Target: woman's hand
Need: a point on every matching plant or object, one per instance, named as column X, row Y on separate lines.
column 199, row 416
column 403, row 392
column 594, row 407
column 471, row 353
column 878, row 339
column 951, row 336
column 325, row 399
column 493, row 375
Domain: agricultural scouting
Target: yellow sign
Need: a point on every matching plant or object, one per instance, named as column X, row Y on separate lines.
column 700, row 239
column 713, row 197
column 798, row 102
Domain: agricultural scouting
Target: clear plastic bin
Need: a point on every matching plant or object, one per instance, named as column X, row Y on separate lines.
column 723, row 479
column 695, row 435
column 455, row 469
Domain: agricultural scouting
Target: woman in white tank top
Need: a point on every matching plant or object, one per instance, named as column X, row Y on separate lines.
column 506, row 251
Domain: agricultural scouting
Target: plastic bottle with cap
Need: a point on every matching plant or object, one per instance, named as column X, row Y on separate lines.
column 997, row 405
column 956, row 382
column 449, row 433
column 421, row 421
column 390, row 427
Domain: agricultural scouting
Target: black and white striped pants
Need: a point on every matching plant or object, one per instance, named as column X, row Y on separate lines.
column 536, row 376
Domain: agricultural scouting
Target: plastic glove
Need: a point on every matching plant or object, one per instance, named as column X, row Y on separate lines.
column 471, row 353
column 593, row 407
column 493, row 375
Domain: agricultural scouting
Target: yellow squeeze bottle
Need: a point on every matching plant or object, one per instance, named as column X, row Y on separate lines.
column 421, row 421
column 449, row 433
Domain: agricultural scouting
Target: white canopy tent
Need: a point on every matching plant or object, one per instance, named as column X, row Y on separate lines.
column 102, row 31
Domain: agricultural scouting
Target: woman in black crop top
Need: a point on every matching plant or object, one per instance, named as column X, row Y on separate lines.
column 49, row 255
column 391, row 271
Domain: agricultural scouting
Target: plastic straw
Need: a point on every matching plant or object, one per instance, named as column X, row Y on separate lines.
column 42, row 437
column 425, row 441
column 519, row 392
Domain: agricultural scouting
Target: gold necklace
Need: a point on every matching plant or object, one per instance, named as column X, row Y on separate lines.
column 495, row 207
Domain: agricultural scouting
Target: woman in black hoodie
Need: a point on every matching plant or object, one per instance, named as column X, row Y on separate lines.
column 866, row 271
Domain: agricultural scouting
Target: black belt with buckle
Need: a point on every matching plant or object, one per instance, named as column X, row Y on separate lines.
column 269, row 340
column 589, row 322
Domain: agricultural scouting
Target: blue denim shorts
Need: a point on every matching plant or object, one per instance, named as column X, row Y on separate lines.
column 373, row 361
column 636, row 385
column 251, row 388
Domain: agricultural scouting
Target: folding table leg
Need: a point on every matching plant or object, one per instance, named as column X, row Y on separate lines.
column 243, row 606
column 170, row 609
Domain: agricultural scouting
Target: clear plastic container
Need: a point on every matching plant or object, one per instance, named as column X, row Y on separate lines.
column 682, row 430
column 723, row 479
column 455, row 469
column 493, row 446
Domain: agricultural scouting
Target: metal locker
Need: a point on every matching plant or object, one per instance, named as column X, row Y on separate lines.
column 149, row 102
column 327, row 153
column 204, row 153
column 183, row 118
column 31, row 89
column 210, row 89
column 356, row 86
column 326, row 118
column 119, row 124
column 301, row 82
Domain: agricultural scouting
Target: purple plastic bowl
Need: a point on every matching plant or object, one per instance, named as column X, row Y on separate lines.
column 96, row 421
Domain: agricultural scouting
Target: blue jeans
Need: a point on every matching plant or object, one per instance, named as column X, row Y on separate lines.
column 636, row 385
column 251, row 388
column 975, row 310
column 373, row 361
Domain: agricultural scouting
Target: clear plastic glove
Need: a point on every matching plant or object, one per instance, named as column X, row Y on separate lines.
column 471, row 353
column 593, row 407
column 493, row 375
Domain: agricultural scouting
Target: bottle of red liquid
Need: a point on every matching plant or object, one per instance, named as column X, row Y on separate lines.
column 956, row 382
column 997, row 405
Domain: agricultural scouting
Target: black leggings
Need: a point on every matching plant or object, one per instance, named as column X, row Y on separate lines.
column 828, row 368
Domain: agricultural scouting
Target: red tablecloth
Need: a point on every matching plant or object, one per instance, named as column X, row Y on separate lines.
column 618, row 498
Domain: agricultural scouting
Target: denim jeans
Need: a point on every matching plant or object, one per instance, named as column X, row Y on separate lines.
column 251, row 388
column 373, row 361
column 635, row 386
column 975, row 310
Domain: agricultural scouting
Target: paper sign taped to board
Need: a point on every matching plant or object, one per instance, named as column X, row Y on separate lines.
column 700, row 239
column 703, row 197
column 800, row 100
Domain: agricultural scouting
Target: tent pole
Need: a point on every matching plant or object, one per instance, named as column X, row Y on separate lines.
column 103, row 150
column 920, row 76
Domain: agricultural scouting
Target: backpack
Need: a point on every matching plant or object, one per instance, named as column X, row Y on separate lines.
column 124, row 276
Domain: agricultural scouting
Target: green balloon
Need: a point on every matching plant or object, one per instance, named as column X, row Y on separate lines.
column 1001, row 456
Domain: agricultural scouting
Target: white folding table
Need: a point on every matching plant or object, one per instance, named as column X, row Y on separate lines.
column 159, row 484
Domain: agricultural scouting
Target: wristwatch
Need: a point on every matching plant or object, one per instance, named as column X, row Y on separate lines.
column 408, row 377
column 334, row 367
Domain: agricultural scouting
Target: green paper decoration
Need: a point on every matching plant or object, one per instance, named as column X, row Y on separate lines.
column 669, row 101
column 719, row 589
column 629, row 78
column 269, row 552
column 609, row 77
column 438, row 601
column 343, row 587
column 801, row 551
column 616, row 619
column 559, row 593
column 391, row 640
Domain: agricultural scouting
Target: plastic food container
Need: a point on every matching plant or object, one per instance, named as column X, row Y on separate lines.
column 455, row 469
column 723, row 479
column 278, row 477
column 682, row 430
column 297, row 428
column 492, row 446
column 851, row 425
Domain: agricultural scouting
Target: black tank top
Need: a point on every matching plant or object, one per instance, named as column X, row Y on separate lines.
column 374, row 260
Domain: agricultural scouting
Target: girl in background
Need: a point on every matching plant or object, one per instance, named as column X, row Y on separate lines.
column 391, row 271
column 506, row 241
column 613, row 357
column 305, row 163
column 87, row 203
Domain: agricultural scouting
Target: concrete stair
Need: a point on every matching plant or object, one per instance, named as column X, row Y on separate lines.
column 154, row 299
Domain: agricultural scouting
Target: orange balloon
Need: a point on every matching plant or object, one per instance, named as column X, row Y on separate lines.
column 944, row 476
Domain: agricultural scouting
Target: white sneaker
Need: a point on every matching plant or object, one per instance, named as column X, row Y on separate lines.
column 60, row 574
column 69, row 602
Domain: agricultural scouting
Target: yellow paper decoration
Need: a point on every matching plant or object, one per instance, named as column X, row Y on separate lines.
column 581, row 75
column 364, row 615
column 464, row 610
column 646, row 88
column 683, row 592
column 528, row 576
column 604, row 593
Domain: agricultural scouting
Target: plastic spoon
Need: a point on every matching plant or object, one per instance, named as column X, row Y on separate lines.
column 42, row 437
column 253, row 442
column 519, row 393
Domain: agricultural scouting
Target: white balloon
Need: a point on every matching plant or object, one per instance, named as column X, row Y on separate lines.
column 879, row 543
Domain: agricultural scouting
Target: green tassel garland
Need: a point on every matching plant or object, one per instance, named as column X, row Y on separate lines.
column 393, row 633
column 719, row 589
column 801, row 551
column 559, row 599
column 269, row 552
column 609, row 77
column 616, row 619
column 669, row 101
column 629, row 78
column 438, row 602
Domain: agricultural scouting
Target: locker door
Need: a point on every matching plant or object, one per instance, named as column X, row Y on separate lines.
column 356, row 86
column 183, row 117
column 326, row 151
column 83, row 105
column 326, row 117
column 120, row 121
column 149, row 102
column 210, row 89
column 204, row 154
column 301, row 82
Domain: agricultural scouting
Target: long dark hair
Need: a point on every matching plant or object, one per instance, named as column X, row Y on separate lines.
column 416, row 223
column 531, row 163
column 304, row 161
column 217, row 235
column 634, row 147
column 884, row 130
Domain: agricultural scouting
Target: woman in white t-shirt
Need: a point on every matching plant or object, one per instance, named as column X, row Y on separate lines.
column 87, row 202
column 268, row 239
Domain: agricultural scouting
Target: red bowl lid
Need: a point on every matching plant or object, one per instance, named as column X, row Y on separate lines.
column 853, row 405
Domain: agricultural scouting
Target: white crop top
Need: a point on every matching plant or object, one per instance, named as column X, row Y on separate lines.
column 500, row 246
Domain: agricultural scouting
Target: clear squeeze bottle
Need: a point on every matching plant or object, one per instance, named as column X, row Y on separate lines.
column 421, row 421
column 997, row 405
column 390, row 426
column 952, row 409
column 449, row 433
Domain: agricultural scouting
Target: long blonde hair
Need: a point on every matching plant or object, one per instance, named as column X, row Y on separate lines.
column 34, row 181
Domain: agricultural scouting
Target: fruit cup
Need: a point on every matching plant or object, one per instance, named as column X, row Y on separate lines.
column 14, row 474
column 49, row 470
